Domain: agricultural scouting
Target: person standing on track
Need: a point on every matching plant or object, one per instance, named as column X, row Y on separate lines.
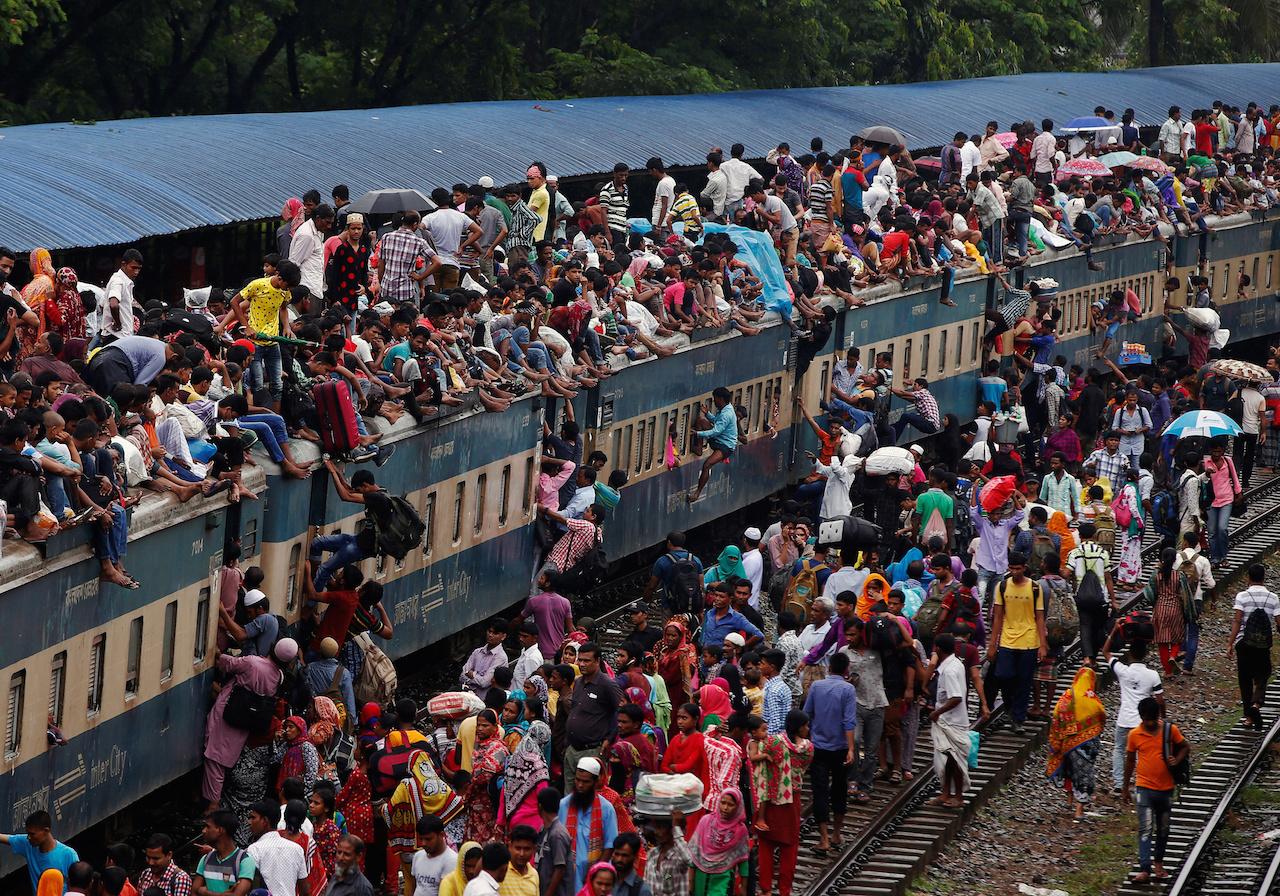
column 1255, row 616
column 832, row 704
column 1145, row 754
column 1137, row 684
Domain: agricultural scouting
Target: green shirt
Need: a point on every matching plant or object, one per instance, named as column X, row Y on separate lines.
column 934, row 499
column 220, row 874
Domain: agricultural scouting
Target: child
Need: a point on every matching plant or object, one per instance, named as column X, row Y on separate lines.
column 709, row 667
column 8, row 398
column 754, row 692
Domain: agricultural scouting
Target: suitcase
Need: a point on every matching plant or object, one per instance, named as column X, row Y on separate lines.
column 336, row 417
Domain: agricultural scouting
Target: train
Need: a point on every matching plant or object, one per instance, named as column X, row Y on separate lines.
column 125, row 675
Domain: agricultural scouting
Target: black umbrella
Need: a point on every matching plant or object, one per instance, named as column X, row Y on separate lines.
column 388, row 202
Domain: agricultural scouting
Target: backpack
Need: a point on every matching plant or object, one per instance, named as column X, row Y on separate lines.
column 930, row 612
column 1105, row 521
column 800, row 590
column 1181, row 773
column 589, row 572
column 1041, row 547
column 377, row 680
column 884, row 633
column 1256, row 633
column 249, row 711
column 1164, row 512
column 1190, row 576
column 1061, row 618
column 402, row 530
column 685, row 585
column 388, row 767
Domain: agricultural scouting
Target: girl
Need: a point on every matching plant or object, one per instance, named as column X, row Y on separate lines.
column 1167, row 592
column 686, row 754
column 321, row 808
column 296, row 754
column 1074, row 740
column 599, row 881
column 778, row 764
column 719, row 848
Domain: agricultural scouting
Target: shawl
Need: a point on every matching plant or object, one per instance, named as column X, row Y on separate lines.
column 672, row 660
column 718, row 845
column 326, row 723
column 293, row 213
column 863, row 610
column 724, row 766
column 355, row 802
column 1077, row 719
column 68, row 309
column 595, row 839
column 293, row 764
column 41, row 286
column 728, row 565
column 634, row 755
column 489, row 758
column 1059, row 527
column 591, row 874
column 421, row 793
column 51, row 883
column 641, row 699
column 714, row 701
column 526, row 768
column 455, row 882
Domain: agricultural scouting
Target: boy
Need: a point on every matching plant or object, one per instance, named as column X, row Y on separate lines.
column 434, row 860
column 1144, row 752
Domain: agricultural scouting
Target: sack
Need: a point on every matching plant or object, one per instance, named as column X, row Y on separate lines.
column 801, row 589
column 1041, row 547
column 871, row 440
column 1164, row 512
column 377, row 680
column 1181, row 772
column 1257, row 630
column 684, row 590
column 996, row 492
column 884, row 633
column 935, row 526
column 401, row 532
column 454, row 705
column 249, row 711
column 975, row 741
column 1061, row 617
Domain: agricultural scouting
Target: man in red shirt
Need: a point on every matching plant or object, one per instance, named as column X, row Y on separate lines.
column 348, row 592
column 1204, row 132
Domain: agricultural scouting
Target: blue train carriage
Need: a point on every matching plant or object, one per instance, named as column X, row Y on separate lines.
column 123, row 674
column 632, row 413
column 471, row 476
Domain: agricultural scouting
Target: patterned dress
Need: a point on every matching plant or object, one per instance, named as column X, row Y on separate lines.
column 775, row 783
column 724, row 767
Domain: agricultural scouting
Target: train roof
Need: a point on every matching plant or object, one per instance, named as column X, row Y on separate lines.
column 114, row 182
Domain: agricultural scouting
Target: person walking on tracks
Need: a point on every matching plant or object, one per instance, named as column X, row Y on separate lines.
column 1018, row 637
column 1256, row 615
column 1137, row 683
column 832, row 704
column 950, row 729
column 1146, row 753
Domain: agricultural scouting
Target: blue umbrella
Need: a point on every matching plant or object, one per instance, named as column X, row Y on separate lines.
column 1087, row 123
column 1203, row 423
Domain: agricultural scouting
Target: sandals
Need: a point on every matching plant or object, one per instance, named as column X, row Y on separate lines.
column 895, row 777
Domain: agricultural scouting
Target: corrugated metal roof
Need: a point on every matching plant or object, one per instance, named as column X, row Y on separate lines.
column 114, row 182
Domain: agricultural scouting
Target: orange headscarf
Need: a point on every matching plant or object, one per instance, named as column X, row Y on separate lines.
column 41, row 286
column 865, row 601
column 1059, row 527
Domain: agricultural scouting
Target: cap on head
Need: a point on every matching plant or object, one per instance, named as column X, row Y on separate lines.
column 590, row 765
column 253, row 596
column 752, row 534
column 286, row 650
column 328, row 648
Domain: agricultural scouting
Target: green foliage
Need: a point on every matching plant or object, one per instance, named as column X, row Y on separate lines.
column 17, row 17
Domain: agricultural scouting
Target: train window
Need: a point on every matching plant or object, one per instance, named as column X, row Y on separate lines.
column 504, row 495
column 1271, row 259
column 133, row 671
column 1226, row 277
column 653, row 438
column 429, row 520
column 57, row 686
column 664, row 426
column 526, row 494
column 1256, row 262
column 459, row 496
column 959, row 346
column 249, row 539
column 924, row 354
column 170, row 635
column 616, row 453
column 682, row 429
column 641, row 429
column 628, row 434
column 974, row 335
column 755, row 408
column 942, row 352
column 482, row 487
column 97, row 671
column 13, row 721
column 906, row 358
column 202, row 626
column 823, row 384
column 889, row 351
column 295, row 561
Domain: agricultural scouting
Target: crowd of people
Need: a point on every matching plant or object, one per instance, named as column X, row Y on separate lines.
column 784, row 660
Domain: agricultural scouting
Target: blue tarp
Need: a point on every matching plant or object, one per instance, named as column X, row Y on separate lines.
column 756, row 249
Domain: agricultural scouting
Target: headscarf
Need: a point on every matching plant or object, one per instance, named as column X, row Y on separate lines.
column 50, row 883
column 424, row 793
column 42, row 273
column 512, row 732
column 591, row 873
column 491, row 754
column 293, row 213
column 671, row 660
column 863, row 610
column 70, row 308
column 728, row 565
column 326, row 723
column 1059, row 527
column 526, row 768
column 717, row 845
column 455, row 882
column 294, row 762
column 1077, row 719
column 641, row 699
column 369, row 715
column 713, row 700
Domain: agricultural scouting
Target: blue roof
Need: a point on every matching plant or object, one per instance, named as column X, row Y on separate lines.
column 71, row 185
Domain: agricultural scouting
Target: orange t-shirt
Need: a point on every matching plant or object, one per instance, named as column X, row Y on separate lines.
column 1150, row 768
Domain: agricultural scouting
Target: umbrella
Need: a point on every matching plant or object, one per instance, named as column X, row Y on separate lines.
column 1241, row 370
column 1150, row 163
column 1084, row 167
column 1087, row 123
column 1117, row 159
column 890, row 459
column 388, row 202
column 1203, row 423
column 1007, row 139
column 882, row 133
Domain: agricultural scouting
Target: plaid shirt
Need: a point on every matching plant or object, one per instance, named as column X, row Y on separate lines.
column 573, row 545
column 927, row 406
column 667, row 870
column 1110, row 467
column 174, row 881
column 399, row 252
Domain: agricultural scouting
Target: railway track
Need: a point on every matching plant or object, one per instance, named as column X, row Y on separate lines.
column 894, row 838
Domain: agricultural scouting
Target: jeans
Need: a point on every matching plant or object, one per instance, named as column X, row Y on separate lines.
column 1021, row 221
column 1117, row 755
column 1015, row 670
column 267, row 358
column 539, row 357
column 111, row 544
column 994, row 235
column 987, row 582
column 344, row 551
column 1218, row 519
column 1246, row 452
column 56, row 491
column 1155, row 808
column 270, row 430
column 829, row 777
column 1191, row 645
column 1253, row 668
column 180, row 471
column 870, row 730
column 919, row 421
column 592, row 339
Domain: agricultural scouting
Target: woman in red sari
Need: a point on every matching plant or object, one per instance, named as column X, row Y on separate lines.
column 687, row 754
column 677, row 661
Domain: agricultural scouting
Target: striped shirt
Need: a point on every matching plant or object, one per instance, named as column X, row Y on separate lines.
column 927, row 406
column 820, row 195
column 617, row 202
column 685, row 210
column 399, row 252
column 1111, row 467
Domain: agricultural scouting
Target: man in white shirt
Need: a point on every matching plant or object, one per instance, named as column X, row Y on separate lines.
column 1172, row 139
column 281, row 862
column 753, row 563
column 717, row 189
column 307, row 249
column 950, row 720
column 782, row 223
column 117, row 317
column 1204, row 583
column 1255, row 618
column 452, row 232
column 665, row 195
column 493, row 870
column 1137, row 683
column 434, row 860
column 1042, row 149
column 970, row 157
column 737, row 174
column 530, row 659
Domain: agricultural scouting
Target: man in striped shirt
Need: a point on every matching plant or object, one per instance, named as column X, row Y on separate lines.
column 614, row 197
column 925, row 417
column 820, row 201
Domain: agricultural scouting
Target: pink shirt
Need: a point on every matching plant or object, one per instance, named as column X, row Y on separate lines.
column 549, row 486
column 1223, row 480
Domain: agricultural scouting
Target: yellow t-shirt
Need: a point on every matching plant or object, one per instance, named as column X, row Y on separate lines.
column 517, row 884
column 264, row 307
column 1019, row 628
column 756, row 697
column 540, row 203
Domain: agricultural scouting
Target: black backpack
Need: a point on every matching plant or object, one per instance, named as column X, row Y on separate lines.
column 1090, row 593
column 587, row 573
column 400, row 532
column 1257, row 630
column 685, row 585
column 1181, row 772
column 249, row 711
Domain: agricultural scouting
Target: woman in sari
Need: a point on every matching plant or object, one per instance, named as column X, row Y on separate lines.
column 1060, row 526
column 333, row 746
column 687, row 755
column 514, row 724
column 1074, row 740
column 713, row 700
column 728, row 565
column 599, row 880
column 69, row 305
column 1167, row 593
column 488, row 759
column 631, row 755
column 527, row 775
column 778, row 765
column 719, row 846
column 469, row 856
column 296, row 754
column 677, row 660
column 421, row 793
column 724, row 762
column 874, row 589
column 1130, row 570
column 37, row 295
